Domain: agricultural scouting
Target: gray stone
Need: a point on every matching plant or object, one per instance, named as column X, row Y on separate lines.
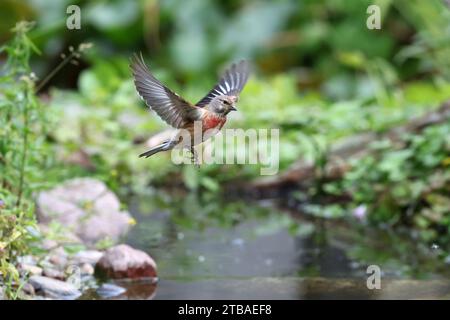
column 108, row 290
column 87, row 208
column 2, row 295
column 55, row 289
column 53, row 273
column 58, row 257
column 122, row 261
column 28, row 259
column 87, row 256
column 42, row 298
column 46, row 264
column 28, row 289
column 30, row 269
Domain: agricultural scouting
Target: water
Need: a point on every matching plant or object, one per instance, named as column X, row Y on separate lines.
column 209, row 249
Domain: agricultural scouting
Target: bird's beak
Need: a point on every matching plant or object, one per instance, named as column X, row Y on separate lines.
column 232, row 108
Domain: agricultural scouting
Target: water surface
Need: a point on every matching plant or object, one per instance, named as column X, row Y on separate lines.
column 207, row 249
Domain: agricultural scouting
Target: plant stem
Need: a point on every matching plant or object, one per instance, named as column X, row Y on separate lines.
column 24, row 150
column 54, row 71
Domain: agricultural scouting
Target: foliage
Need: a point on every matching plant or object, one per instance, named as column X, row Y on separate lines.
column 23, row 152
column 407, row 186
column 320, row 76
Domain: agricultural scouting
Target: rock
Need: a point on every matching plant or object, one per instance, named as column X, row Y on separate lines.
column 2, row 295
column 139, row 290
column 58, row 257
column 42, row 298
column 28, row 259
column 88, row 256
column 28, row 289
column 108, row 290
column 55, row 274
column 86, row 207
column 56, row 289
column 87, row 269
column 122, row 261
column 30, row 269
column 46, row 264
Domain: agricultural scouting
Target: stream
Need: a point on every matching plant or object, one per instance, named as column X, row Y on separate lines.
column 209, row 249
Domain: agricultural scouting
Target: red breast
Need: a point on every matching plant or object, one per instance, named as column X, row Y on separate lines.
column 212, row 121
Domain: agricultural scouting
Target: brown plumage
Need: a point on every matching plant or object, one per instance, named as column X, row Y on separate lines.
column 211, row 110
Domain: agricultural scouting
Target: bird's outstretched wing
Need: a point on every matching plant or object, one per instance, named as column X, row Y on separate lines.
column 172, row 108
column 231, row 83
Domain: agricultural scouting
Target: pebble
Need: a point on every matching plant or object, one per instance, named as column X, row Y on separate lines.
column 108, row 290
column 122, row 262
column 55, row 289
column 58, row 257
column 30, row 269
column 87, row 256
column 87, row 269
column 53, row 273
column 28, row 259
column 28, row 289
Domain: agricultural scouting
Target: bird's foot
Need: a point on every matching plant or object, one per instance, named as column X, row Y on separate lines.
column 194, row 158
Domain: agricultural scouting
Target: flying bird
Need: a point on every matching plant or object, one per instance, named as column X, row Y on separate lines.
column 210, row 112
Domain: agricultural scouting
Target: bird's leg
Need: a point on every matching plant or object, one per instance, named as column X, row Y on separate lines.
column 194, row 157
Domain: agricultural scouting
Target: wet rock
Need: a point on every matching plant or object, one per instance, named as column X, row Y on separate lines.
column 55, row 274
column 88, row 256
column 28, row 259
column 28, row 289
column 58, row 257
column 46, row 264
column 42, row 298
column 108, row 290
column 138, row 290
column 30, row 269
column 85, row 206
column 87, row 269
column 122, row 261
column 52, row 288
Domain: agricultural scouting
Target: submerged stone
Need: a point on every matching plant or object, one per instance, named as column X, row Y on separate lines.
column 108, row 290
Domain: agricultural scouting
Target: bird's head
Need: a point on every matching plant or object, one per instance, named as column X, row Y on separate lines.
column 223, row 104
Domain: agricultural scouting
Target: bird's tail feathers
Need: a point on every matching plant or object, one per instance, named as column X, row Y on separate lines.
column 167, row 145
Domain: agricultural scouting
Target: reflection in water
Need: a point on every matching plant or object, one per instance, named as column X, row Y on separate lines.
column 242, row 251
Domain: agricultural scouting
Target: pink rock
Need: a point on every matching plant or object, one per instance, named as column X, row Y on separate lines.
column 54, row 274
column 122, row 261
column 87, row 208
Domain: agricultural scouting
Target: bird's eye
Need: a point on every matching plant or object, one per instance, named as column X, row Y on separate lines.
column 226, row 102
